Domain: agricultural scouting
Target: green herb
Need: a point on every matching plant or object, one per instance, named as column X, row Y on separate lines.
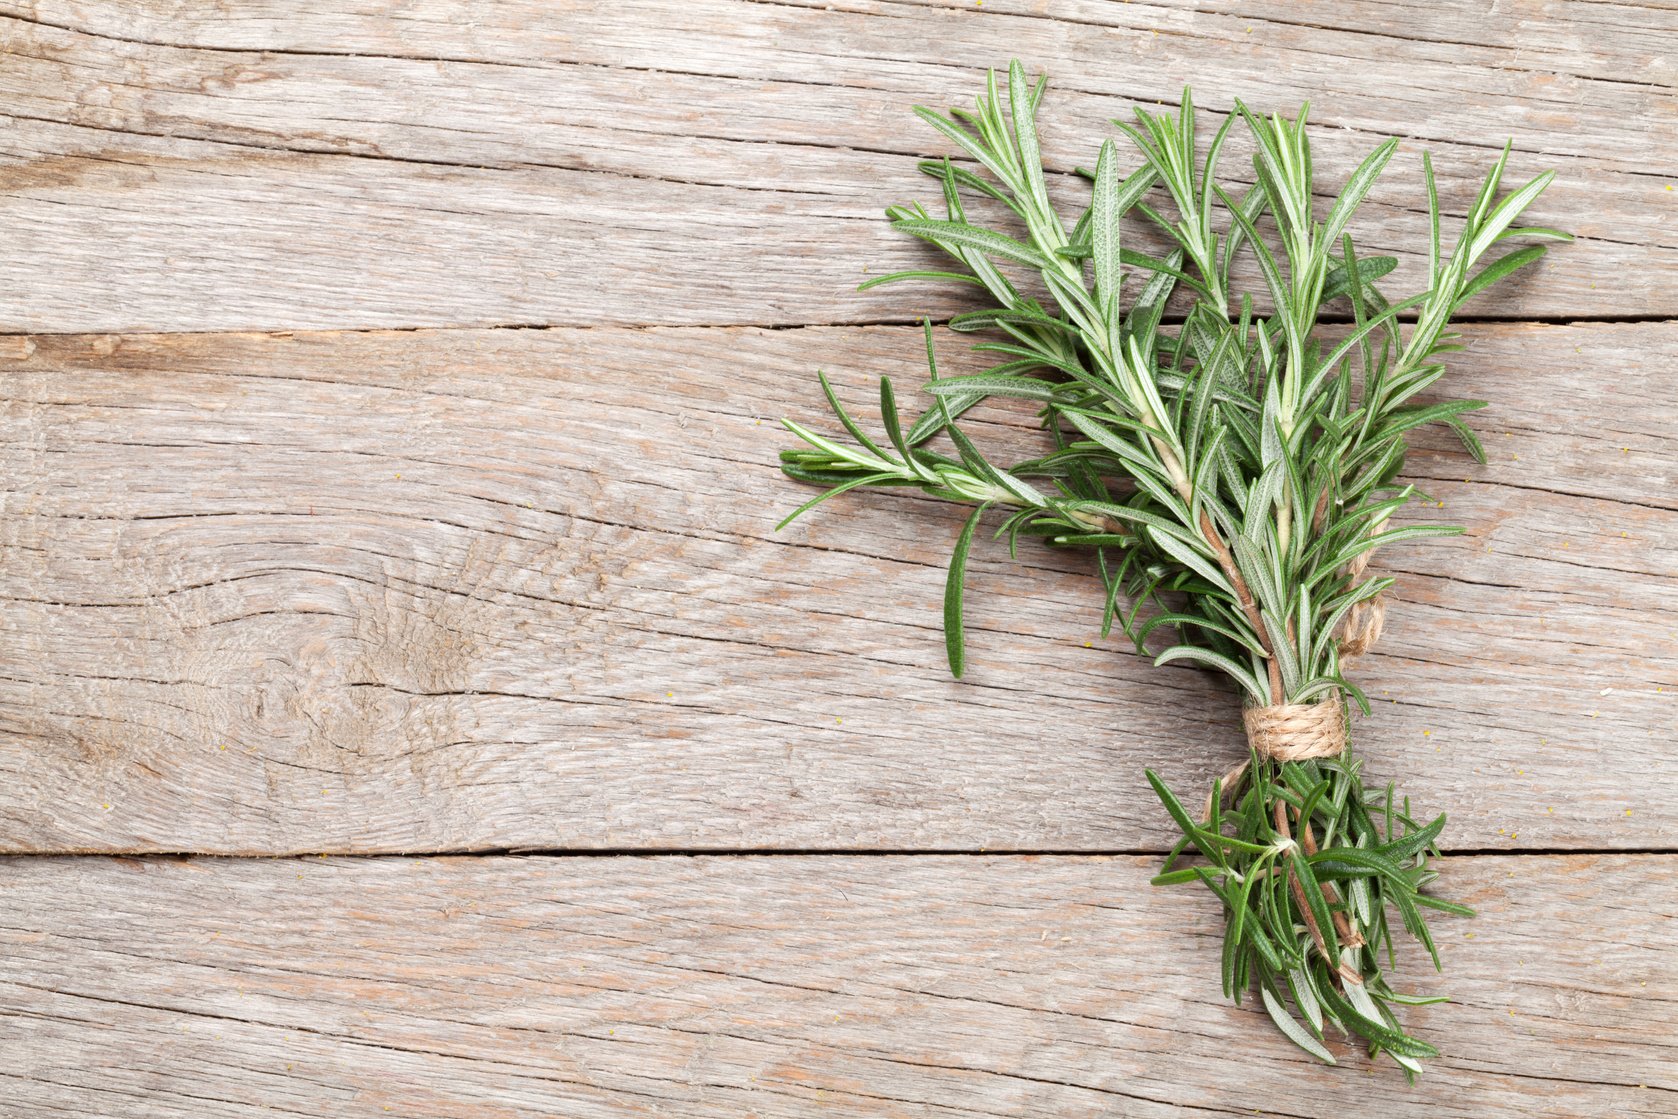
column 1231, row 470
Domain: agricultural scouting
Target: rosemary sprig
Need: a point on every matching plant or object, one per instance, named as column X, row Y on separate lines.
column 1231, row 473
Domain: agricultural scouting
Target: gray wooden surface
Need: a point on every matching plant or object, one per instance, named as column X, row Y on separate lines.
column 457, row 590
column 774, row 987
column 387, row 440
column 300, row 165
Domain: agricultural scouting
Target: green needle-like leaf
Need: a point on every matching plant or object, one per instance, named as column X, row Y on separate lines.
column 954, row 630
column 1292, row 1029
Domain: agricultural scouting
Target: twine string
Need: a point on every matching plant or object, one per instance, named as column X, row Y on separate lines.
column 1287, row 732
column 1295, row 732
column 1291, row 732
column 1361, row 627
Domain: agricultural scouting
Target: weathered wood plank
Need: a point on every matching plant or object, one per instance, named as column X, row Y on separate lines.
column 710, row 161
column 792, row 986
column 439, row 590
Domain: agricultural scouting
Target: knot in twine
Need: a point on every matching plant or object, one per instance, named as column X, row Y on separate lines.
column 1361, row 627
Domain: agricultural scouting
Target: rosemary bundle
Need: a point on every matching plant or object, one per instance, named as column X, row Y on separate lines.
column 1232, row 471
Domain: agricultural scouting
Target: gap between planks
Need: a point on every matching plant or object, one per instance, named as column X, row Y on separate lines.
column 779, row 852
column 1328, row 320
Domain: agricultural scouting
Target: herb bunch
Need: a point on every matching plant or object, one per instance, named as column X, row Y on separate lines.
column 1231, row 472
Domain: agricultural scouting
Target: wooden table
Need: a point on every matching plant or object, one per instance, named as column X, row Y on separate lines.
column 408, row 707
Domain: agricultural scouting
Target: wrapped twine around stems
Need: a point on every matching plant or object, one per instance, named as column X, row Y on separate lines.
column 1294, row 732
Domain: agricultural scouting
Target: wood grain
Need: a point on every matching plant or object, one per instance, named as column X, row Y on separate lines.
column 214, row 167
column 415, row 591
column 369, row 589
column 791, row 986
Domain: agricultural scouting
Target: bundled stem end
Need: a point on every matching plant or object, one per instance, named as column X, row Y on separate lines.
column 1231, row 466
column 1310, row 868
